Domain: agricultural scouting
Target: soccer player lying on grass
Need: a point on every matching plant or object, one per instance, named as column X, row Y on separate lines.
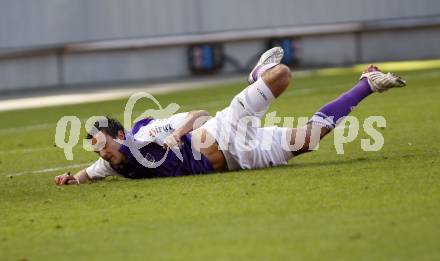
column 217, row 144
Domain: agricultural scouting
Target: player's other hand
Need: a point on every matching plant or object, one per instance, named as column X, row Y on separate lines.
column 65, row 179
column 172, row 141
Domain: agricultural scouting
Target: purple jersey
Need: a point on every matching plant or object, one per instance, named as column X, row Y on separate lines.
column 167, row 163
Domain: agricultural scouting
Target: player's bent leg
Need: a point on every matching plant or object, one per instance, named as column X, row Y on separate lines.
column 306, row 139
column 255, row 99
column 297, row 141
column 267, row 81
column 249, row 106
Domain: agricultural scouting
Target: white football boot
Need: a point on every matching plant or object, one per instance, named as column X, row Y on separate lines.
column 379, row 81
column 274, row 55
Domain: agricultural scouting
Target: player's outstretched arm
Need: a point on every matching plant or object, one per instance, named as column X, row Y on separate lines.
column 79, row 178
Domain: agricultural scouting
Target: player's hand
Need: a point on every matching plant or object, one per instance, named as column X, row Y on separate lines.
column 172, row 141
column 65, row 179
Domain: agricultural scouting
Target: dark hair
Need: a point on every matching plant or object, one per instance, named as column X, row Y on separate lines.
column 112, row 129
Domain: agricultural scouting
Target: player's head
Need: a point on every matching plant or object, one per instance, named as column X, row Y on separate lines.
column 105, row 140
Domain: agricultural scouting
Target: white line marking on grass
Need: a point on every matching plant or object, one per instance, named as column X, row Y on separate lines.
column 47, row 170
column 26, row 128
column 28, row 150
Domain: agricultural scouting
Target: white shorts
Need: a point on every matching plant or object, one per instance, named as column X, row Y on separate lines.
column 237, row 130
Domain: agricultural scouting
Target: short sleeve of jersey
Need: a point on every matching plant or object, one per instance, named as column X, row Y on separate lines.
column 158, row 129
column 178, row 119
column 100, row 169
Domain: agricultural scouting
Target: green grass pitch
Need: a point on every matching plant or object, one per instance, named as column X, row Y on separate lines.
column 358, row 206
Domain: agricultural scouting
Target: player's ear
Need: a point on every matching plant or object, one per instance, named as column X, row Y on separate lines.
column 121, row 135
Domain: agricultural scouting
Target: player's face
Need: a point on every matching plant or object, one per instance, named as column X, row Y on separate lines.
column 109, row 148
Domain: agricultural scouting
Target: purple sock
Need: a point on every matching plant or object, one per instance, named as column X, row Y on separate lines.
column 337, row 109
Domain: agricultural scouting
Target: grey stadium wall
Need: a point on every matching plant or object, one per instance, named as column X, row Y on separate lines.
column 414, row 33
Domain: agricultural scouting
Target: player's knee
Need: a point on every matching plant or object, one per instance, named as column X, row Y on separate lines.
column 304, row 141
column 282, row 74
column 307, row 145
column 277, row 79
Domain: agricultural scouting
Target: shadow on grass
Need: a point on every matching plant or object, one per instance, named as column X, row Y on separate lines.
column 293, row 166
column 319, row 164
column 332, row 163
